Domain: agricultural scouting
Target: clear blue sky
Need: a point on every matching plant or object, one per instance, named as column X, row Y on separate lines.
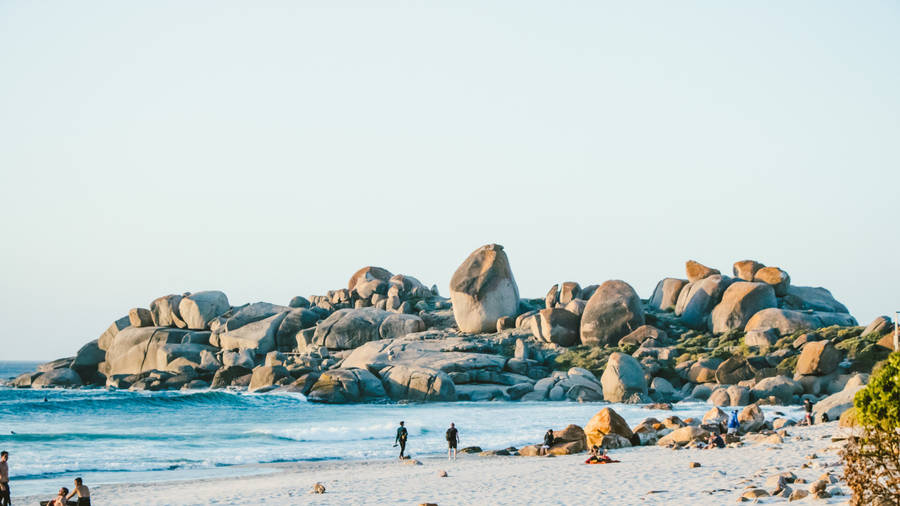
column 269, row 149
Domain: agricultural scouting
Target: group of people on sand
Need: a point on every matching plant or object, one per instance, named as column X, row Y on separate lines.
column 62, row 497
column 452, row 437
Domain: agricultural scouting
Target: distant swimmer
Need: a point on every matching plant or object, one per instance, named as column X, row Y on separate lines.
column 402, row 434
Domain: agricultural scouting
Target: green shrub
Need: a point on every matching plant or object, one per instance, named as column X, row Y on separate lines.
column 872, row 456
column 879, row 403
column 592, row 358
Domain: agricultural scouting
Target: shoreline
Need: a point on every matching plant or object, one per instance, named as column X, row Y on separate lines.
column 646, row 475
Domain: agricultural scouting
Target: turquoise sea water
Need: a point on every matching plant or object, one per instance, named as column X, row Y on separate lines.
column 118, row 436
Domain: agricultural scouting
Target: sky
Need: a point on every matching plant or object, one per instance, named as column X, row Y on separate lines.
column 269, row 149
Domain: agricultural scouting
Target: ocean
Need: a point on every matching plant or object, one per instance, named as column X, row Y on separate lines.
column 120, row 436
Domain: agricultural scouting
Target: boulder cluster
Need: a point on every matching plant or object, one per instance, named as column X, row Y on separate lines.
column 731, row 341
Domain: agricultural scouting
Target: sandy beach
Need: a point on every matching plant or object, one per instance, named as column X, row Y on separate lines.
column 645, row 475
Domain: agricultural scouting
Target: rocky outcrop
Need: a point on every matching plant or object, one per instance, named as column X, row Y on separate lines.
column 341, row 386
column 879, row 326
column 818, row 358
column 777, row 278
column 787, row 321
column 347, row 329
column 683, row 436
column 483, row 289
column 739, row 303
column 197, row 310
column 105, row 340
column 568, row 441
column 811, row 298
column 57, row 378
column 135, row 350
column 696, row 271
column 266, row 376
column 623, row 378
column 832, row 407
column 612, row 312
column 665, row 295
column 418, row 384
column 258, row 336
column 368, row 274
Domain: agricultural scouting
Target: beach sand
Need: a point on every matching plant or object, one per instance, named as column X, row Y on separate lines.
column 646, row 475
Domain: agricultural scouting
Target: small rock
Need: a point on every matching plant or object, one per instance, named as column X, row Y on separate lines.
column 754, row 494
column 694, row 464
column 318, row 488
column 412, row 462
column 442, row 473
column 798, row 494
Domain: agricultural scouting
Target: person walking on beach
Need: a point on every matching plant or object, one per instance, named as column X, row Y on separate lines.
column 452, row 441
column 402, row 434
column 84, row 494
column 733, row 423
column 4, row 479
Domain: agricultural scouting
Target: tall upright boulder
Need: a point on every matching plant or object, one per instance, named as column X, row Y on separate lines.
column 696, row 271
column 739, row 303
column 697, row 300
column 613, row 312
column 106, row 338
column 483, row 289
column 606, row 421
column 665, row 295
column 622, row 378
column 198, row 309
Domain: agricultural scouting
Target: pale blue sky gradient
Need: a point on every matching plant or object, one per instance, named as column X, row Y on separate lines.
column 269, row 149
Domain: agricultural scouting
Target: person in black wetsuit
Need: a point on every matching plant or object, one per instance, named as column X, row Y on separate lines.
column 452, row 441
column 402, row 434
column 808, row 406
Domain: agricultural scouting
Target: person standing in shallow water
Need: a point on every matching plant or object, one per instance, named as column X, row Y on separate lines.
column 5, row 499
column 402, row 434
column 452, row 441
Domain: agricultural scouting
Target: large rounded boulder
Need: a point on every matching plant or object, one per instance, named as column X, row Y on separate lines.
column 346, row 329
column 198, row 309
column 606, row 421
column 746, row 269
column 739, row 303
column 818, row 358
column 622, row 378
column 777, row 278
column 665, row 295
column 613, row 312
column 483, row 289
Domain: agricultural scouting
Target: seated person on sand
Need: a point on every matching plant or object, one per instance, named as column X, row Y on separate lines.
column 84, row 494
column 598, row 456
column 548, row 443
column 60, row 499
column 715, row 441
